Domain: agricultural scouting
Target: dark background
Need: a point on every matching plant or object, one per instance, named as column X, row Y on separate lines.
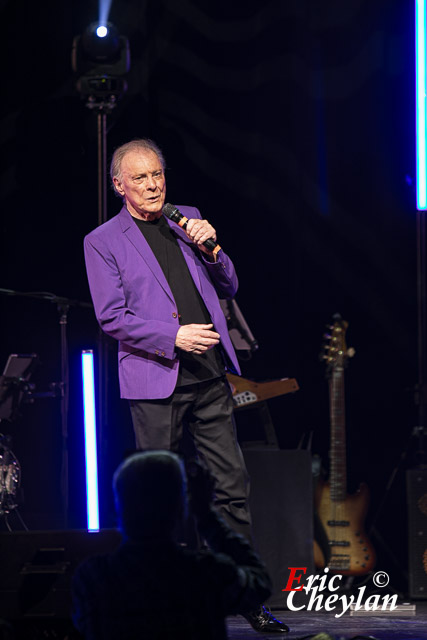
column 291, row 126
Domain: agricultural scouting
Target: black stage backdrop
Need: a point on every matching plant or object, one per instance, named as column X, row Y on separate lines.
column 290, row 125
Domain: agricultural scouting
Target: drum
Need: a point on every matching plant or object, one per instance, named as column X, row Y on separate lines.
column 10, row 480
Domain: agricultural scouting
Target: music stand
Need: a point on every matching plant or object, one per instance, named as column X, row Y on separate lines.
column 241, row 336
column 13, row 383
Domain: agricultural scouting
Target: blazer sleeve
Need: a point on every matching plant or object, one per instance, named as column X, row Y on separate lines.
column 223, row 275
column 115, row 317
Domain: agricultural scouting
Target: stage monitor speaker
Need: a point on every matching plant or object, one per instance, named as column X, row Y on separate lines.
column 416, row 488
column 36, row 568
column 282, row 513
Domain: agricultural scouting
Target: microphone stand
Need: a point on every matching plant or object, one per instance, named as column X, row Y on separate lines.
column 63, row 308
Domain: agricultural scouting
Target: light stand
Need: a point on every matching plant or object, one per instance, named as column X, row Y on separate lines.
column 101, row 63
column 102, row 108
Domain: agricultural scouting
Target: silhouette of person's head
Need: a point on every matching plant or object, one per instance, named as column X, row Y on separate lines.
column 150, row 491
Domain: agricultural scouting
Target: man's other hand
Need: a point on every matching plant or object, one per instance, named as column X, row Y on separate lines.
column 196, row 338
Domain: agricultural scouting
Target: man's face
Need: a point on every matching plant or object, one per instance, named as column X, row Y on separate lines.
column 142, row 184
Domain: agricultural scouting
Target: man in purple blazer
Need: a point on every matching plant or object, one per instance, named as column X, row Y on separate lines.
column 156, row 288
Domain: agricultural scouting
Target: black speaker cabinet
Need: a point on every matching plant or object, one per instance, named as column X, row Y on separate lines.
column 416, row 487
column 282, row 512
column 36, row 569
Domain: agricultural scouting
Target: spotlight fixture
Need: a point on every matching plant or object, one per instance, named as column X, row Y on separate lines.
column 101, row 31
column 100, row 58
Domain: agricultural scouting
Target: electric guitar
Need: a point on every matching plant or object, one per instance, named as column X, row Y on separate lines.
column 342, row 516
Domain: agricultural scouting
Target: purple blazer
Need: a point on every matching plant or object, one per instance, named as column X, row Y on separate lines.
column 134, row 304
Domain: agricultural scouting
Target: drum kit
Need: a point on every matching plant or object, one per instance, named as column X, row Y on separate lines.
column 10, row 478
column 14, row 388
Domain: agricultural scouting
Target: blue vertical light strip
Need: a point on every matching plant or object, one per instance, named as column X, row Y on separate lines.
column 420, row 62
column 90, row 441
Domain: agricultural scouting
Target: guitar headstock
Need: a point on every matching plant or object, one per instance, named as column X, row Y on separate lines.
column 335, row 352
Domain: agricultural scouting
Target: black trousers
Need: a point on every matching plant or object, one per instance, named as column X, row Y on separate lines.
column 205, row 412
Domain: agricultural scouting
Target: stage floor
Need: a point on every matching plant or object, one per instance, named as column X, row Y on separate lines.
column 302, row 623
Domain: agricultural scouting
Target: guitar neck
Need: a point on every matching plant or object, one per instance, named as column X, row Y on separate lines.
column 338, row 466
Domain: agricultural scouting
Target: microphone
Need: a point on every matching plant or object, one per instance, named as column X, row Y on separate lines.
column 175, row 215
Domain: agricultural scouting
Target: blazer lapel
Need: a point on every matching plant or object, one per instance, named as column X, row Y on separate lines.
column 188, row 250
column 134, row 235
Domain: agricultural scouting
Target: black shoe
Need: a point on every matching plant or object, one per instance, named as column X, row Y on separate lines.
column 263, row 620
